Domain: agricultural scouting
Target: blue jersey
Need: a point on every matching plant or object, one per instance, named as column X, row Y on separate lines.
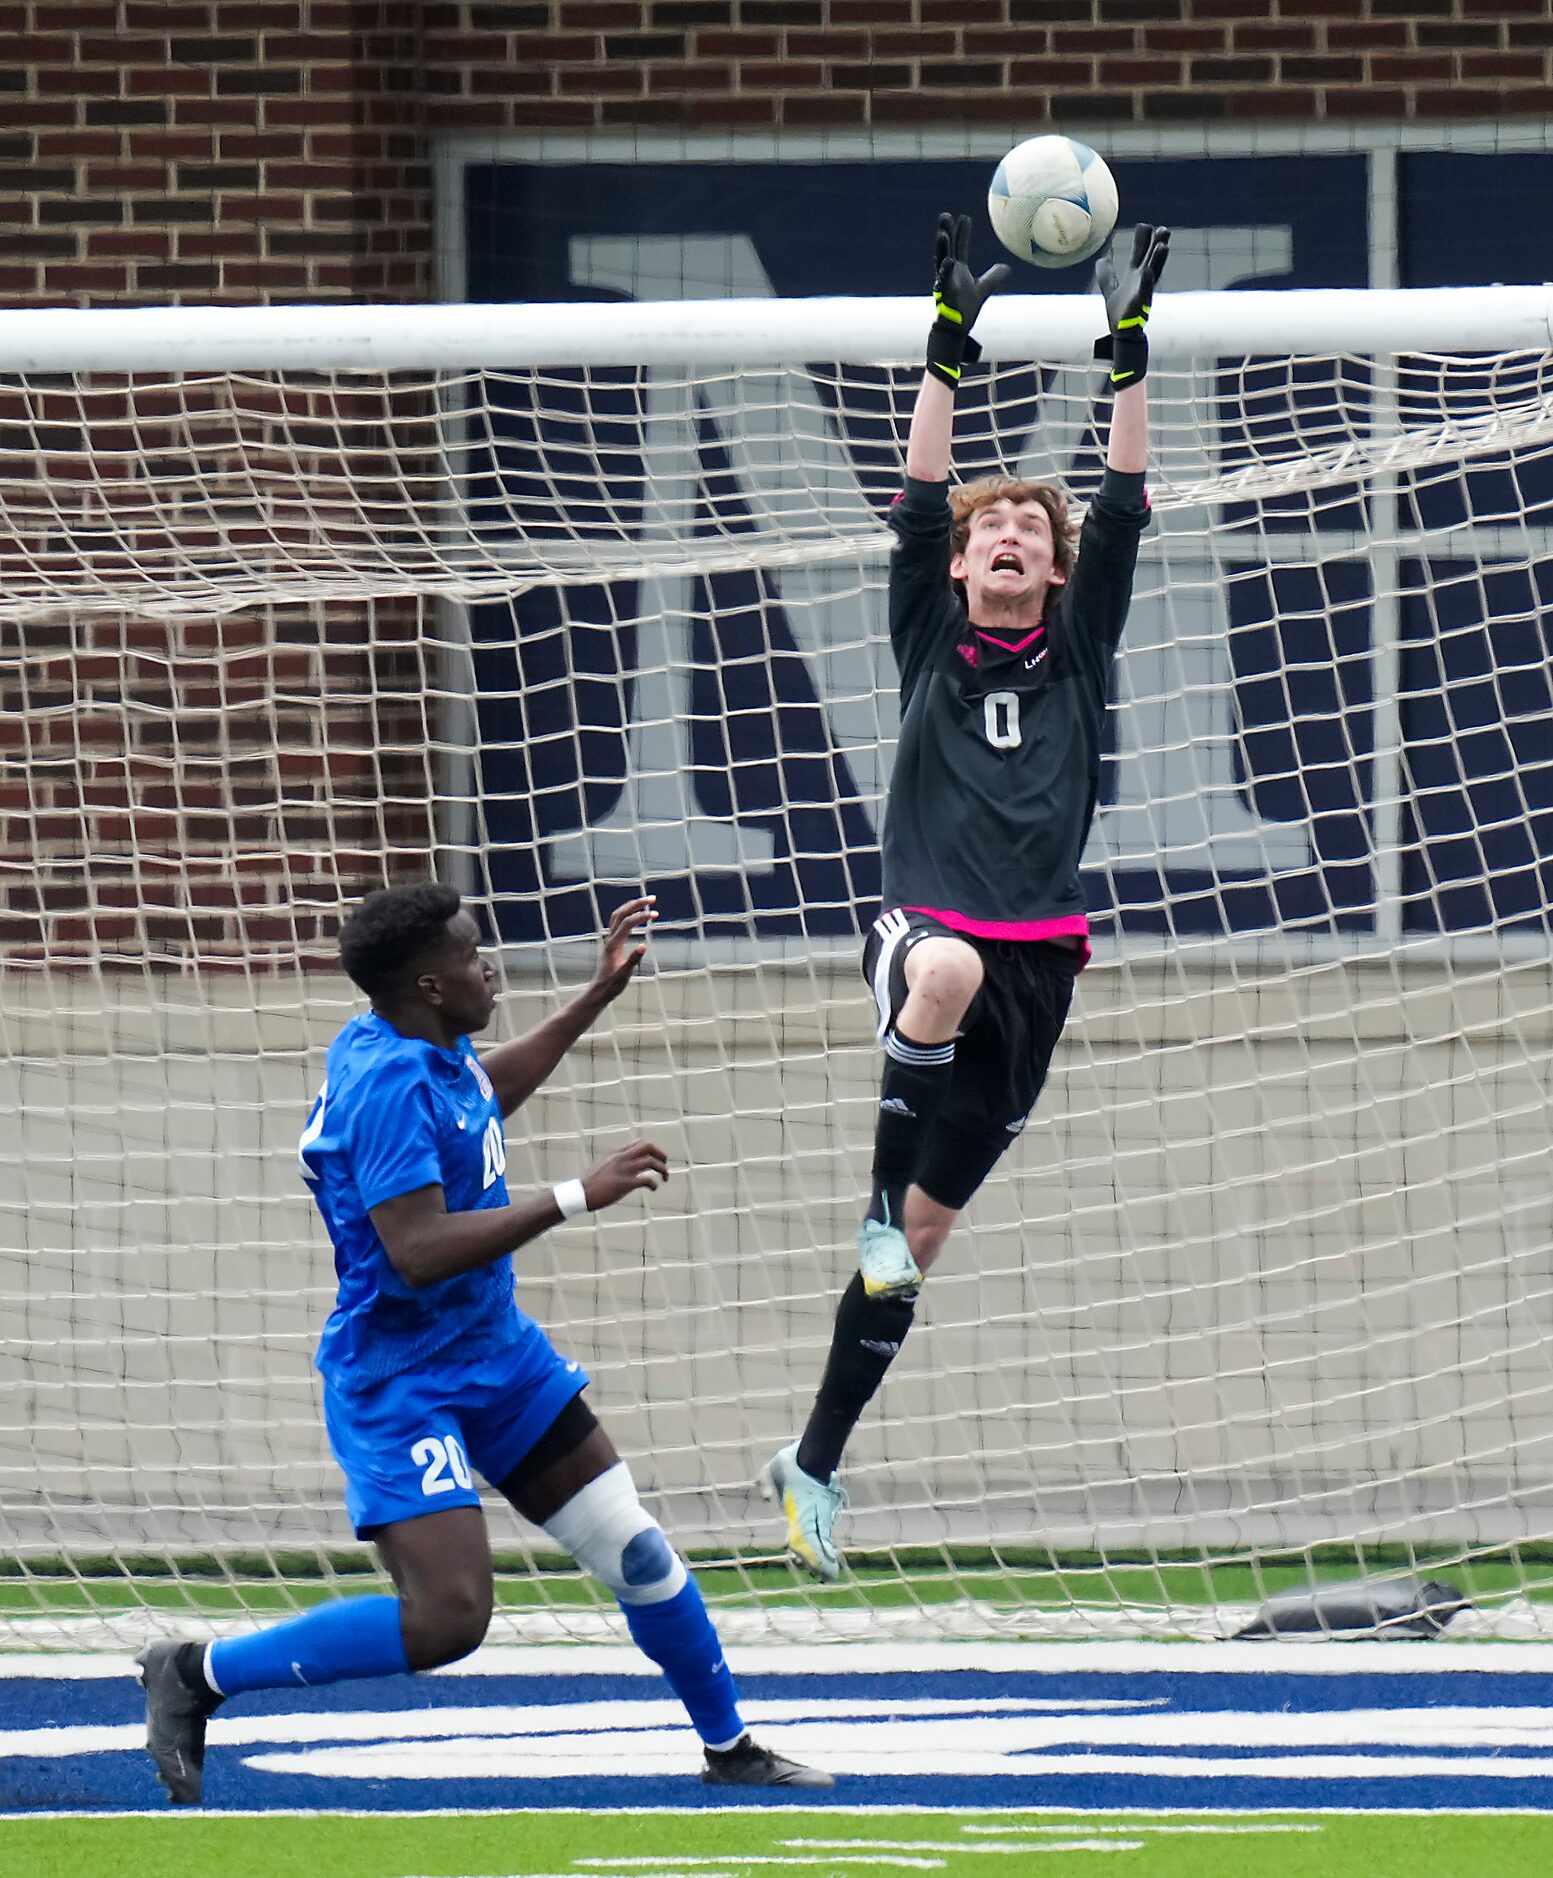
column 396, row 1114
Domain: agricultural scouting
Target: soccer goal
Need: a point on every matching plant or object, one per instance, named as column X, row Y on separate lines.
column 564, row 603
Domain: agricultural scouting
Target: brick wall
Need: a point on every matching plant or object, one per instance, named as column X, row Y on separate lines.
column 278, row 149
column 157, row 799
column 894, row 64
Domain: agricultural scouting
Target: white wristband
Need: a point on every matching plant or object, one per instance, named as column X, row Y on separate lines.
column 571, row 1198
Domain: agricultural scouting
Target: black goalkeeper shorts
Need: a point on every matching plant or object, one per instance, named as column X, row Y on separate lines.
column 1003, row 1049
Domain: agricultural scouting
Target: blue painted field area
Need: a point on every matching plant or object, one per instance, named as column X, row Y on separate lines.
column 1240, row 1727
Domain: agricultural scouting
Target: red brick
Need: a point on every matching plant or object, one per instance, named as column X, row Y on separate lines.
column 1394, row 67
column 555, row 47
column 866, row 13
column 1475, row 65
column 1365, row 101
column 1140, row 71
column 166, row 142
column 784, row 75
column 742, row 113
column 1201, row 36
column 875, row 77
column 939, row 42
column 1321, row 71
column 1099, row 39
column 76, row 81
column 215, row 113
column 590, row 80
column 602, row 14
column 304, row 48
column 701, row 78
column 645, row 111
column 963, row 72
column 121, row 173
column 141, row 244
column 711, row 44
column 1273, row 36
column 41, row 48
column 166, row 16
column 827, row 45
column 1365, row 35
column 1463, row 101
column 832, row 107
column 170, row 82
column 76, row 16
column 1457, row 35
column 275, row 16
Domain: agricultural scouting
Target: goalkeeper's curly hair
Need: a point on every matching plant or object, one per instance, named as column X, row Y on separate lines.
column 967, row 501
column 388, row 933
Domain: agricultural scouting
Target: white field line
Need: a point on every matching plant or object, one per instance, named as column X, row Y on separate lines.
column 1006, row 1832
column 654, row 1864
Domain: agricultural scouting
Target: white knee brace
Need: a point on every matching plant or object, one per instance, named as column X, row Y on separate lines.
column 610, row 1533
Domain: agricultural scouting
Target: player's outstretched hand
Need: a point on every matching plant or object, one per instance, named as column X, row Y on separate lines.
column 624, row 946
column 627, row 1170
column 1128, row 299
column 958, row 296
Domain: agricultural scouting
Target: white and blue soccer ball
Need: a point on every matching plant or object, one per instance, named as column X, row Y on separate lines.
column 1052, row 201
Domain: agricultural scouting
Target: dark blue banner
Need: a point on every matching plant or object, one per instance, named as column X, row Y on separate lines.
column 1240, row 797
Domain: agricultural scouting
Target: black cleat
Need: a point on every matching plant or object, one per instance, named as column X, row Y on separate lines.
column 746, row 1764
column 175, row 1719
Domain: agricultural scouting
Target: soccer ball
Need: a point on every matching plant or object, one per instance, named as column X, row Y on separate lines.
column 1052, row 201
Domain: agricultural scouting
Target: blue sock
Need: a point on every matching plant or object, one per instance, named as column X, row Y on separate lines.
column 678, row 1635
column 333, row 1643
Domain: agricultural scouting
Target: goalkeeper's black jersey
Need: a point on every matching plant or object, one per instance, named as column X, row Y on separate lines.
column 998, row 766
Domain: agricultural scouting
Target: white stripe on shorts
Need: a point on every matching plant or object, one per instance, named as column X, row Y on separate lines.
column 892, row 928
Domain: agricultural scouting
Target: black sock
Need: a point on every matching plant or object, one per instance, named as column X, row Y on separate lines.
column 911, row 1092
column 189, row 1667
column 868, row 1335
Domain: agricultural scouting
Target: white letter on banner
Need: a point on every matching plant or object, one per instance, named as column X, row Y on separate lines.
column 794, row 474
column 1178, row 803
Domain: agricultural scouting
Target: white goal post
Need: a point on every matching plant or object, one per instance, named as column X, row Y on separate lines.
column 561, row 602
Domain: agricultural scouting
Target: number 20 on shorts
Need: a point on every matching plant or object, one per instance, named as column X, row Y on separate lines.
column 442, row 1456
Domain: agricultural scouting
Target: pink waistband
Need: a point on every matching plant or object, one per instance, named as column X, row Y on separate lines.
column 1071, row 924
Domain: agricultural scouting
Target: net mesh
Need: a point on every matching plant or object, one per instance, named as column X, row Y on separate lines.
column 1260, row 1295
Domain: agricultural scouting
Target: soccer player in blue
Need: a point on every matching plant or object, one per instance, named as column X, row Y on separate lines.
column 431, row 1371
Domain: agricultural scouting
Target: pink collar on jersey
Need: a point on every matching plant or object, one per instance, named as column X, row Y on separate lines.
column 1017, row 646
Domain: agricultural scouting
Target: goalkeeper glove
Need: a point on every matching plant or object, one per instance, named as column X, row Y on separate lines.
column 958, row 297
column 1127, row 303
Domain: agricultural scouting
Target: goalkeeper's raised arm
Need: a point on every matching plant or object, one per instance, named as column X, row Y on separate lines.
column 958, row 296
column 1003, row 628
column 1125, row 346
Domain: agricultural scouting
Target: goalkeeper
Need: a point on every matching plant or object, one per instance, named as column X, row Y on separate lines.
column 1004, row 630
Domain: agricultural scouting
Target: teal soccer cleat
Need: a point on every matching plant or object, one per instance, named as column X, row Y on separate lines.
column 884, row 1259
column 811, row 1507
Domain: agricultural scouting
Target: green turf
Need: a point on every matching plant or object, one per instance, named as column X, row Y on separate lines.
column 590, row 1845
column 211, row 1587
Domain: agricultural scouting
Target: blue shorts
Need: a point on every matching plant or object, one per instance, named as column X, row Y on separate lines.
column 412, row 1444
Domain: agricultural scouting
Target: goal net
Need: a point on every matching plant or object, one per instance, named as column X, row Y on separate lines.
column 1261, row 1296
